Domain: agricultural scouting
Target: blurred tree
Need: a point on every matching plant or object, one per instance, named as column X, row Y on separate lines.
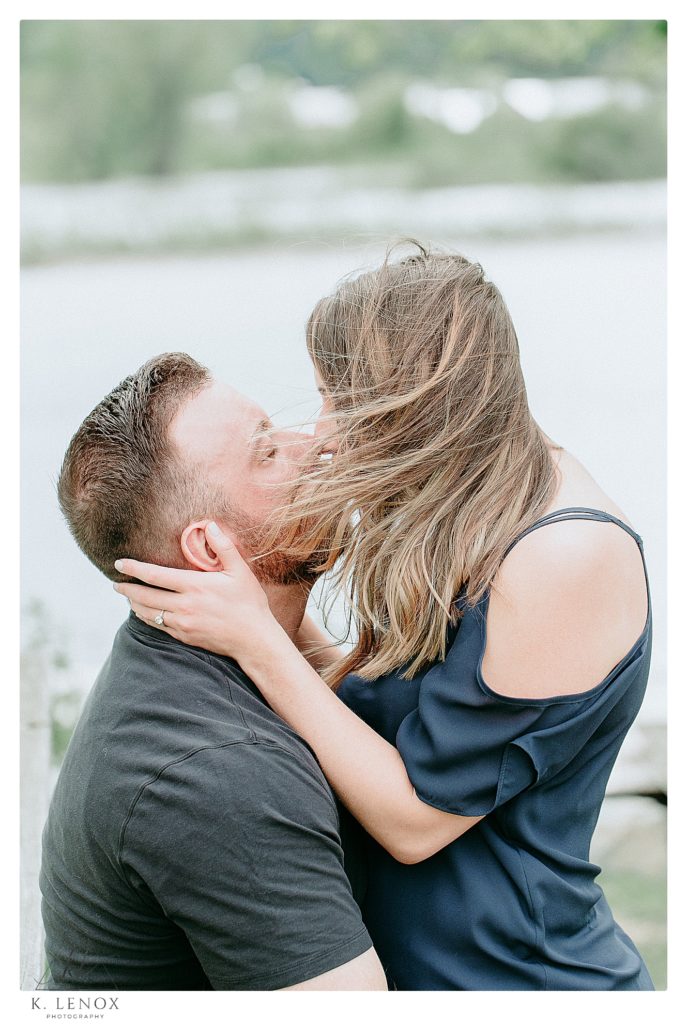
column 385, row 124
column 592, row 146
column 108, row 98
column 103, row 98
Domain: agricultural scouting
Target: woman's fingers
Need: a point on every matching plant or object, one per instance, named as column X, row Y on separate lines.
column 148, row 597
column 179, row 579
column 149, row 615
column 223, row 547
column 156, row 575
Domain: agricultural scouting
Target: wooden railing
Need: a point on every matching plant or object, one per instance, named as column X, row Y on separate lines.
column 34, row 796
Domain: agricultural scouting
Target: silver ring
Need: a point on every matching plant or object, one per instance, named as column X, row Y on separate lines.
column 159, row 620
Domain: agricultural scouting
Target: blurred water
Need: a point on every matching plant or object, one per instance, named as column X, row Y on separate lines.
column 590, row 314
column 307, row 202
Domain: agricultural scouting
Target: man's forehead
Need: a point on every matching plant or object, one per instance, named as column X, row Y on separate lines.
column 240, row 407
column 216, row 413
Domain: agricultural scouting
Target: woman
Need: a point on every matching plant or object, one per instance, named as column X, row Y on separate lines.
column 504, row 631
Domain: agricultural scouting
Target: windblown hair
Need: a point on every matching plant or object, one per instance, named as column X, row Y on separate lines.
column 123, row 489
column 439, row 463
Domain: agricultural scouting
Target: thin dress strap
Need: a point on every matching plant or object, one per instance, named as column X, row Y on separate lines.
column 561, row 514
column 590, row 514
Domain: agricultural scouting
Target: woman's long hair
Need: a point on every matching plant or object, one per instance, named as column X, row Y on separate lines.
column 439, row 464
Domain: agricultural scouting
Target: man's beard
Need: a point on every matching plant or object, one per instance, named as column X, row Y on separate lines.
column 261, row 547
column 272, row 566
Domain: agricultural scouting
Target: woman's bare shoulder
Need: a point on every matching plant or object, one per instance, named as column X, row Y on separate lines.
column 567, row 604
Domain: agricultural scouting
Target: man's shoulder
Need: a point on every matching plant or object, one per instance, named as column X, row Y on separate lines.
column 162, row 710
column 152, row 704
column 200, row 688
column 234, row 786
column 138, row 643
column 156, row 674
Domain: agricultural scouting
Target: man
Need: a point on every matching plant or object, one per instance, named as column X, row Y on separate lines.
column 192, row 840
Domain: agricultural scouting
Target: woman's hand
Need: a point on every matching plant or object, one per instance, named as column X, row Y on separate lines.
column 226, row 612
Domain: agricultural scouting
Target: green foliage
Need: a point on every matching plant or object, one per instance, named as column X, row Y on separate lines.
column 45, row 662
column 113, row 98
column 595, row 145
column 384, row 124
column 638, row 899
column 64, row 712
column 106, row 98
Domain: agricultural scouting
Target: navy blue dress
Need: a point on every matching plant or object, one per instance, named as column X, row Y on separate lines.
column 513, row 903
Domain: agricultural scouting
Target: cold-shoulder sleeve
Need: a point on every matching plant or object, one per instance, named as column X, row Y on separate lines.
column 468, row 750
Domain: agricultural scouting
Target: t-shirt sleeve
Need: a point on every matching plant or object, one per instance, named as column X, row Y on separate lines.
column 239, row 845
column 468, row 751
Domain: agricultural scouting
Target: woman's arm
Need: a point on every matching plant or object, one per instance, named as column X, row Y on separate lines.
column 317, row 648
column 366, row 771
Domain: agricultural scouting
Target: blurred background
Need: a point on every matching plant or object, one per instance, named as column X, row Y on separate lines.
column 198, row 185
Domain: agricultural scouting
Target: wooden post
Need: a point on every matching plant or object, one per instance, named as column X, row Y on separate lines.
column 34, row 799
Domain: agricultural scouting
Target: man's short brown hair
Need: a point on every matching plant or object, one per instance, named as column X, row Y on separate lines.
column 123, row 488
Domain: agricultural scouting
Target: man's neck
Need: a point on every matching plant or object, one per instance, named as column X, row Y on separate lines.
column 287, row 603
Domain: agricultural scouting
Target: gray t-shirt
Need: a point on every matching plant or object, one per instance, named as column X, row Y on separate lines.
column 192, row 840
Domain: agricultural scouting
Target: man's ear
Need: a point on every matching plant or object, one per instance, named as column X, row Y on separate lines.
column 195, row 549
